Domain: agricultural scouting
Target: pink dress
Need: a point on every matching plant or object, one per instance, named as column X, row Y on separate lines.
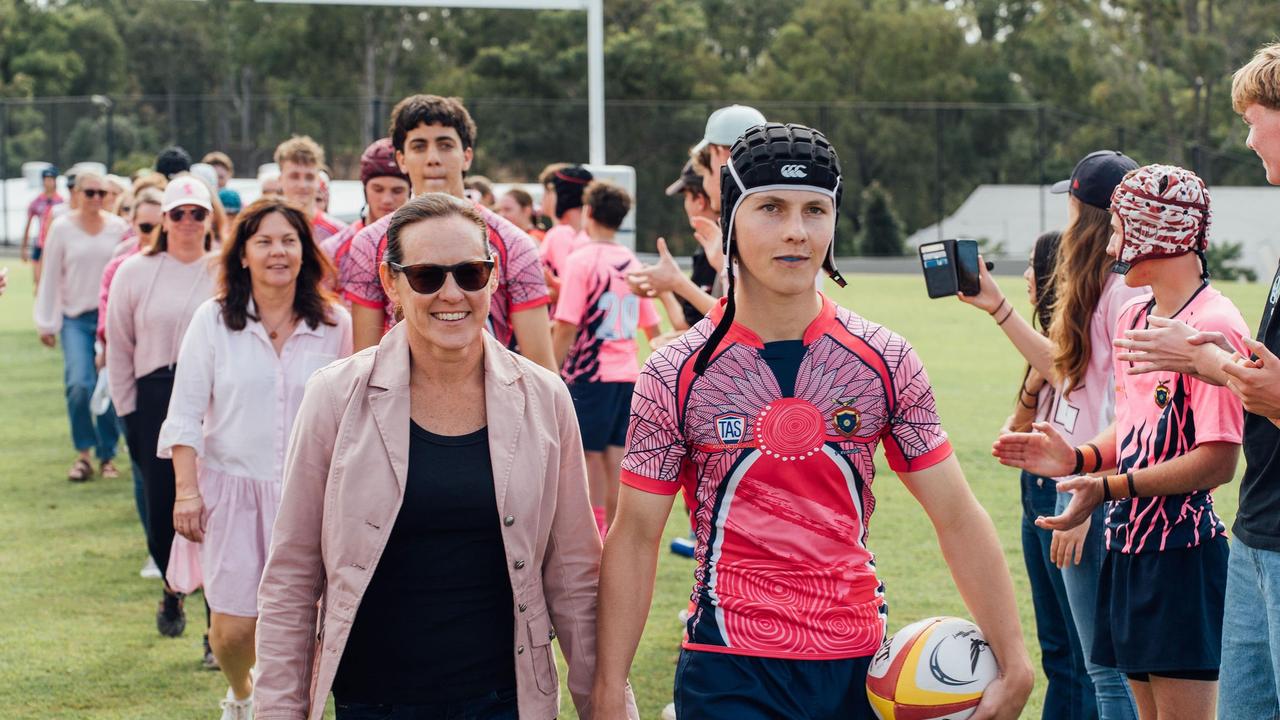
column 234, row 401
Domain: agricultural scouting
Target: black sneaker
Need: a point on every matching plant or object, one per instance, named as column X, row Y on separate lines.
column 170, row 619
column 210, row 662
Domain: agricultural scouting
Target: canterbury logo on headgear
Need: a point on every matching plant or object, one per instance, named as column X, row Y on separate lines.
column 794, row 171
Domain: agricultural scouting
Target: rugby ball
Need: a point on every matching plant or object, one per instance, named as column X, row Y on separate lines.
column 934, row 669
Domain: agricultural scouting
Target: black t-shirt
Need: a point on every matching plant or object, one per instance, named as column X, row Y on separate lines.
column 436, row 623
column 1258, row 519
column 702, row 275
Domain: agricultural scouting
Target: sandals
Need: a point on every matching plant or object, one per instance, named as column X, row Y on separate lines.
column 81, row 471
column 108, row 470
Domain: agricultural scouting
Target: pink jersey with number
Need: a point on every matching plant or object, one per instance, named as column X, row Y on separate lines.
column 1161, row 416
column 595, row 296
column 779, row 457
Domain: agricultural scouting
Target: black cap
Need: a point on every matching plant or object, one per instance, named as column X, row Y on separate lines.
column 173, row 160
column 689, row 180
column 1096, row 177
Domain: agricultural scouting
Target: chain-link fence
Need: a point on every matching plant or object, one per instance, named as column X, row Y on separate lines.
column 928, row 156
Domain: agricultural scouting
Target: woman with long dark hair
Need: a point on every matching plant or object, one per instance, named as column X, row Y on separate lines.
column 241, row 372
column 1077, row 360
column 151, row 301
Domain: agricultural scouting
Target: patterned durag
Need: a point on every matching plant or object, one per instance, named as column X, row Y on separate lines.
column 1165, row 210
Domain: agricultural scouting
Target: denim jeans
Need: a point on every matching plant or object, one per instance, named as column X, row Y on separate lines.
column 497, row 705
column 1069, row 693
column 80, row 378
column 1115, row 700
column 1250, row 674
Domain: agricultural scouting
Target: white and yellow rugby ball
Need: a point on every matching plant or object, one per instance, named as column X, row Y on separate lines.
column 934, row 669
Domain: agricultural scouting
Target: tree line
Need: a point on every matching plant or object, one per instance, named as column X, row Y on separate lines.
column 923, row 98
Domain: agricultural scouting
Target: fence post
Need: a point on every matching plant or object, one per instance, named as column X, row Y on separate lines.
column 1040, row 147
column 377, row 120
column 290, row 118
column 4, row 168
column 937, row 169
column 111, row 134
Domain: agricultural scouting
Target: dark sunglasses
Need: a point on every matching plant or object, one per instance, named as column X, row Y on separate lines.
column 427, row 279
column 94, row 193
column 146, row 228
column 197, row 213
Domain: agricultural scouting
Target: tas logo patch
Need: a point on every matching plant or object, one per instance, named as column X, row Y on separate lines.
column 1162, row 395
column 794, row 171
column 730, row 428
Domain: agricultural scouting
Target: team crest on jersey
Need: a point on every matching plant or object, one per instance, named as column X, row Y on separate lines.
column 1162, row 395
column 730, row 428
column 847, row 419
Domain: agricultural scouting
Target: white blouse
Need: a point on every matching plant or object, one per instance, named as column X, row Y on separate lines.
column 234, row 400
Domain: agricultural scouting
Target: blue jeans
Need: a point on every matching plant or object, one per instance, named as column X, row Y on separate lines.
column 497, row 705
column 1115, row 700
column 1250, row 674
column 1069, row 694
column 80, row 378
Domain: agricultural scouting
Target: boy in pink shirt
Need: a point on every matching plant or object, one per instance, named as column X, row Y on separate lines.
column 1175, row 438
column 564, row 192
column 596, row 321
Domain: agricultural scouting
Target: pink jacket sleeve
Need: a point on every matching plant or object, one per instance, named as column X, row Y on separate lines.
column 104, row 290
column 571, row 567
column 294, row 578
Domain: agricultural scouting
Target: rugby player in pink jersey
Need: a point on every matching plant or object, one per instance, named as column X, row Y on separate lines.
column 563, row 192
column 596, row 322
column 768, row 412
column 1175, row 438
column 434, row 140
column 386, row 188
column 300, row 159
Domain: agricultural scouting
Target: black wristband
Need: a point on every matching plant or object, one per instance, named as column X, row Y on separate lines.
column 1029, row 407
column 1006, row 317
column 1097, row 454
column 999, row 307
column 1079, row 462
column 1106, row 490
column 1133, row 492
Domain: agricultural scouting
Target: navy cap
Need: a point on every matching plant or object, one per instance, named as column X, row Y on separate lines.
column 689, row 180
column 1096, row 177
column 50, row 171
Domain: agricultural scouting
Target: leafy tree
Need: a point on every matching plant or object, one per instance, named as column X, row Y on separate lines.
column 882, row 234
column 1222, row 257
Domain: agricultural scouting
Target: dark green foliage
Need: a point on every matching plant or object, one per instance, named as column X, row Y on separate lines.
column 882, row 234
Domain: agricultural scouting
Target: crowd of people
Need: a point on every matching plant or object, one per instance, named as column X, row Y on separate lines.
column 401, row 457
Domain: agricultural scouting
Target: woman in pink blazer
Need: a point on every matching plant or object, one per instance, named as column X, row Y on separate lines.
column 435, row 506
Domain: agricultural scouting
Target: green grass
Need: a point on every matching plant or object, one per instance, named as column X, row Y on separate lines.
column 77, row 634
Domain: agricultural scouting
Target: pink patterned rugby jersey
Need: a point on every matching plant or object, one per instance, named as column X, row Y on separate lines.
column 775, row 444
column 1161, row 416
column 520, row 282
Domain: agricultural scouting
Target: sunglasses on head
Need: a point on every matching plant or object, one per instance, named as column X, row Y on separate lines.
column 197, row 213
column 427, row 279
column 146, row 228
column 94, row 193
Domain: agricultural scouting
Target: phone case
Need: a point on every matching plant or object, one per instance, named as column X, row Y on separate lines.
column 937, row 260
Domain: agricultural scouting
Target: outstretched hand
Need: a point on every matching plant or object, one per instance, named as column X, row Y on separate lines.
column 707, row 233
column 662, row 276
column 1043, row 451
column 1168, row 346
column 1086, row 495
column 1256, row 382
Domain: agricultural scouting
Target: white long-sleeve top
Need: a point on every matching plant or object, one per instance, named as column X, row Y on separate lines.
column 234, row 400
column 152, row 300
column 73, row 261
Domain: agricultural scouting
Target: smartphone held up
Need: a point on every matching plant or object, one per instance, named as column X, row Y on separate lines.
column 951, row 266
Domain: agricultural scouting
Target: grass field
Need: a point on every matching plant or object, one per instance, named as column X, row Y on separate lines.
column 77, row 631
